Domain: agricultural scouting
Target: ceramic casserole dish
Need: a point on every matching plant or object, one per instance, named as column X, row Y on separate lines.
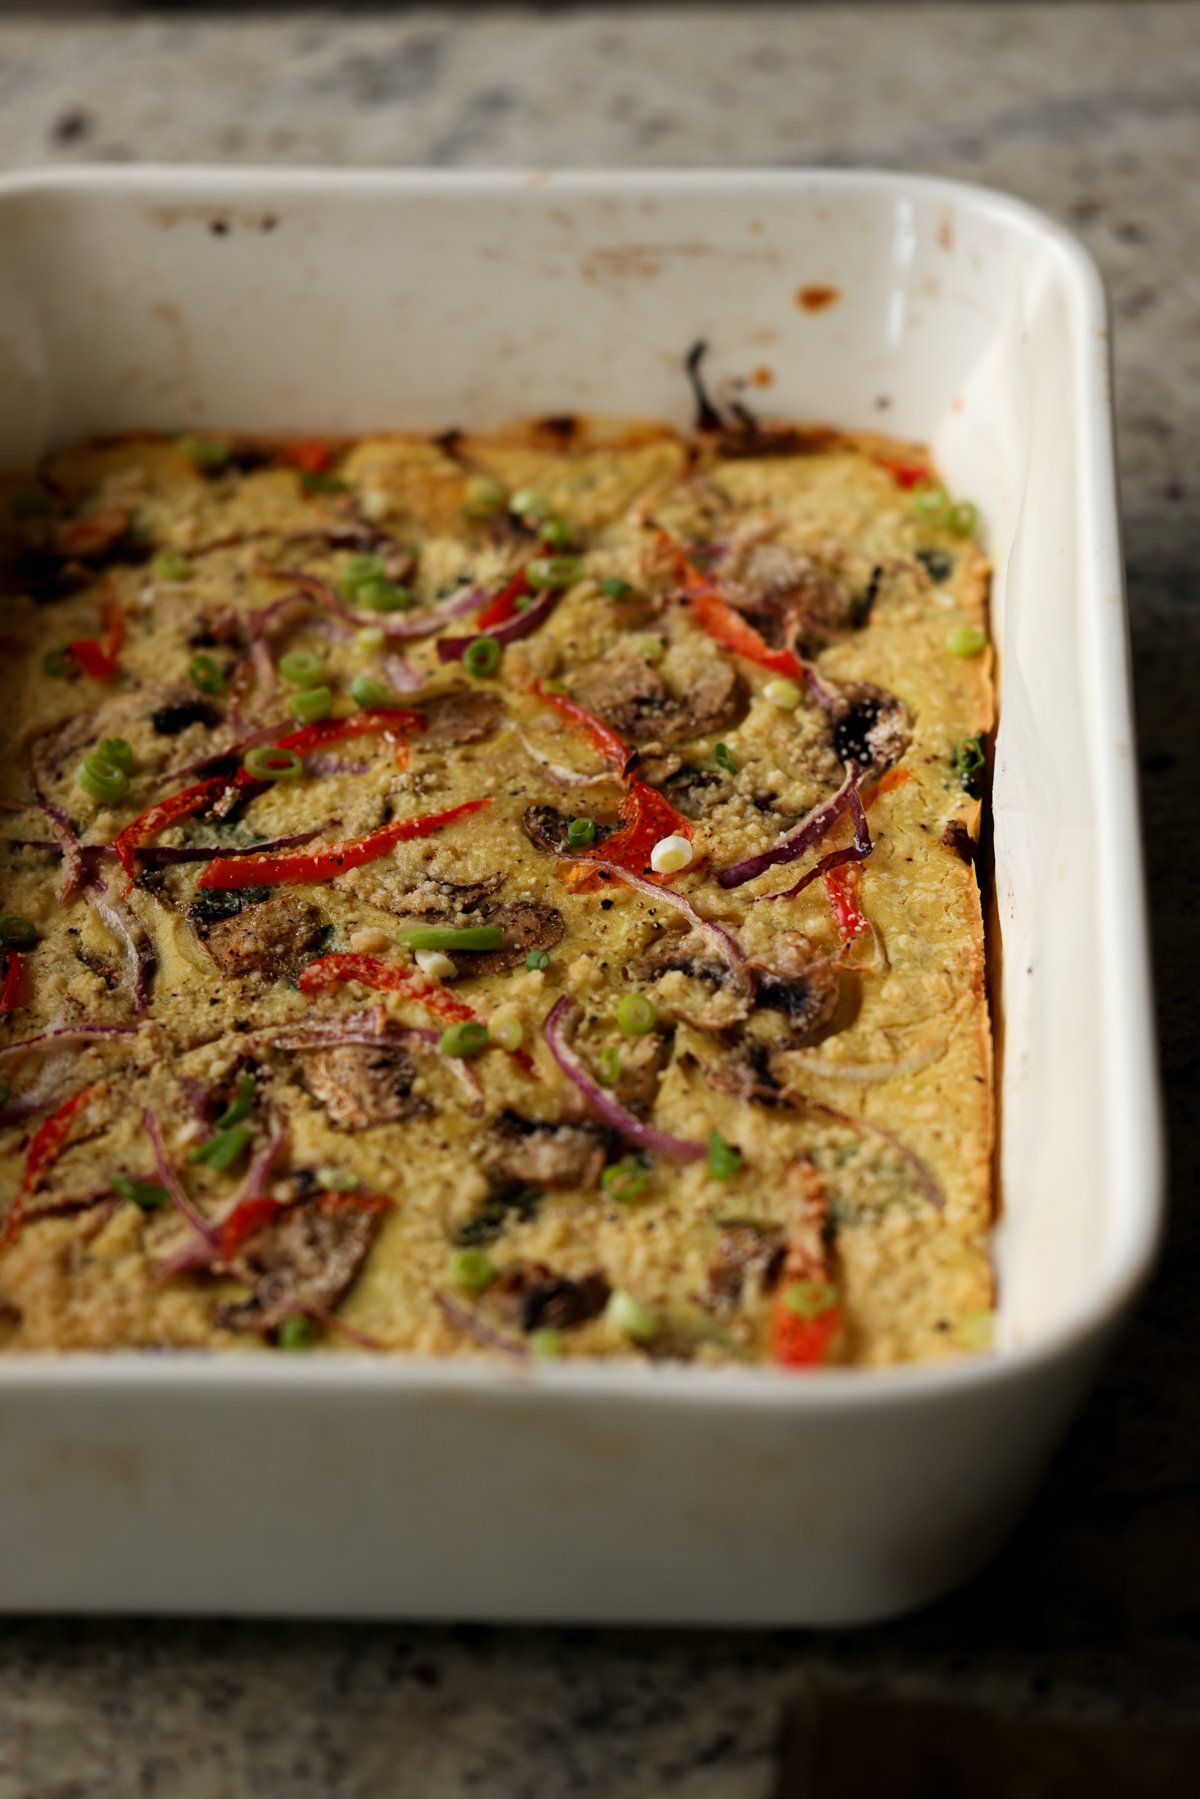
column 356, row 1485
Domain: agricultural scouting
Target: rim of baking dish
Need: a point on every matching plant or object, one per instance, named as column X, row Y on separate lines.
column 1138, row 1138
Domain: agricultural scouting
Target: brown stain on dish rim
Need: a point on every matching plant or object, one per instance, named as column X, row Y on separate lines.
column 816, row 297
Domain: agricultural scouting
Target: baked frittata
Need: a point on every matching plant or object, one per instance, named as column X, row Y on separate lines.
column 508, row 894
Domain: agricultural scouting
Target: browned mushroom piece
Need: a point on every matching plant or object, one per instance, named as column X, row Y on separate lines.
column 363, row 1084
column 800, row 984
column 746, row 1255
column 526, row 927
column 251, row 930
column 702, row 990
column 540, row 1154
column 459, row 716
column 631, row 696
column 792, row 598
column 870, row 727
column 437, row 898
column 305, row 1260
column 546, row 828
column 531, row 1296
column 639, row 1071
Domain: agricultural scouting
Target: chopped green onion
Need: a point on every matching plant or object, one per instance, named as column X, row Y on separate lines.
column 537, row 959
column 473, row 936
column 317, row 481
column 506, row 1030
column 529, row 504
column 472, row 1269
column 17, row 932
column 29, row 504
column 366, row 692
column 523, row 602
column 464, row 1039
column 383, row 596
column 302, row 668
column 337, row 1180
column 204, row 673
column 724, row 758
column 625, row 1181
column 553, row 571
column 146, row 1194
column 359, row 571
column 170, row 565
column 670, row 854
column 615, row 588
column 724, row 1159
column 370, row 639
column 783, row 693
column 931, row 503
column 810, row 1299
column 297, row 1333
column 484, row 497
column 608, row 1066
column 223, row 1149
column 631, row 1317
column 963, row 518
column 116, row 750
column 968, row 762
column 102, row 780
column 966, row 640
column 267, row 762
column 650, row 649
column 482, row 656
column 308, row 707
column 59, row 663
column 635, row 1014
column 581, row 832
column 546, row 1343
column 557, row 533
column 205, row 452
column 242, row 1103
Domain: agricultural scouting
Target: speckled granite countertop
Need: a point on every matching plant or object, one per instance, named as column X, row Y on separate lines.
column 1091, row 112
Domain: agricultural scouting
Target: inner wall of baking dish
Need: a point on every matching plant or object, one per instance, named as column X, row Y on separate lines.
column 324, row 305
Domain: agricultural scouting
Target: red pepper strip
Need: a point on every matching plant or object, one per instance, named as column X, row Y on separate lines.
column 841, row 884
column 169, row 812
column 389, row 720
column 895, row 777
column 646, row 817
column 725, row 625
column 247, row 1218
column 334, row 859
column 615, row 751
column 44, row 1150
column 99, row 660
column 905, row 474
column 95, row 533
column 798, row 1342
column 308, row 454
column 10, row 993
column 505, row 603
column 384, row 977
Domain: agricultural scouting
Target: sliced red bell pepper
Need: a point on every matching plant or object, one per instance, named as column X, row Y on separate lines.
column 247, row 1218
column 904, row 474
column 389, row 721
column 802, row 1342
column 724, row 624
column 893, row 778
column 47, row 1145
column 95, row 532
column 803, row 1339
column 99, row 659
column 309, row 455
column 333, row 858
column 645, row 818
column 10, row 993
column 842, row 885
column 601, row 737
column 503, row 607
column 384, row 977
column 170, row 811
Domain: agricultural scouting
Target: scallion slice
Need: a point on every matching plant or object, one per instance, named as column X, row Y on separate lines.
column 101, row 780
column 267, row 762
column 302, row 668
column 451, row 937
column 205, row 674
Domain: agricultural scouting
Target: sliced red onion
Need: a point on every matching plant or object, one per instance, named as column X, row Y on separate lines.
column 808, row 832
column 74, row 872
column 79, row 1033
column 474, row 1326
column 334, row 765
column 521, row 624
column 725, row 944
column 926, row 1179
column 18, row 1110
column 261, row 1164
column 331, row 1322
column 170, row 1180
column 402, row 675
column 236, row 749
column 164, row 855
column 558, row 776
column 411, row 625
column 139, row 954
column 858, row 851
column 658, row 1143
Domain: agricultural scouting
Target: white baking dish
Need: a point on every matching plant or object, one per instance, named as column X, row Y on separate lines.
column 326, row 302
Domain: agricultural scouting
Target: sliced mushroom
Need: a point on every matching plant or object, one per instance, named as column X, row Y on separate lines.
column 870, row 727
column 459, row 716
column 546, row 828
column 632, row 696
column 802, row 985
column 305, row 1260
column 526, row 927
column 793, row 597
column 438, row 898
column 361, row 1085
column 691, row 790
column 746, row 1254
column 559, row 1156
column 531, row 1296
column 695, row 985
column 251, row 930
column 179, row 710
